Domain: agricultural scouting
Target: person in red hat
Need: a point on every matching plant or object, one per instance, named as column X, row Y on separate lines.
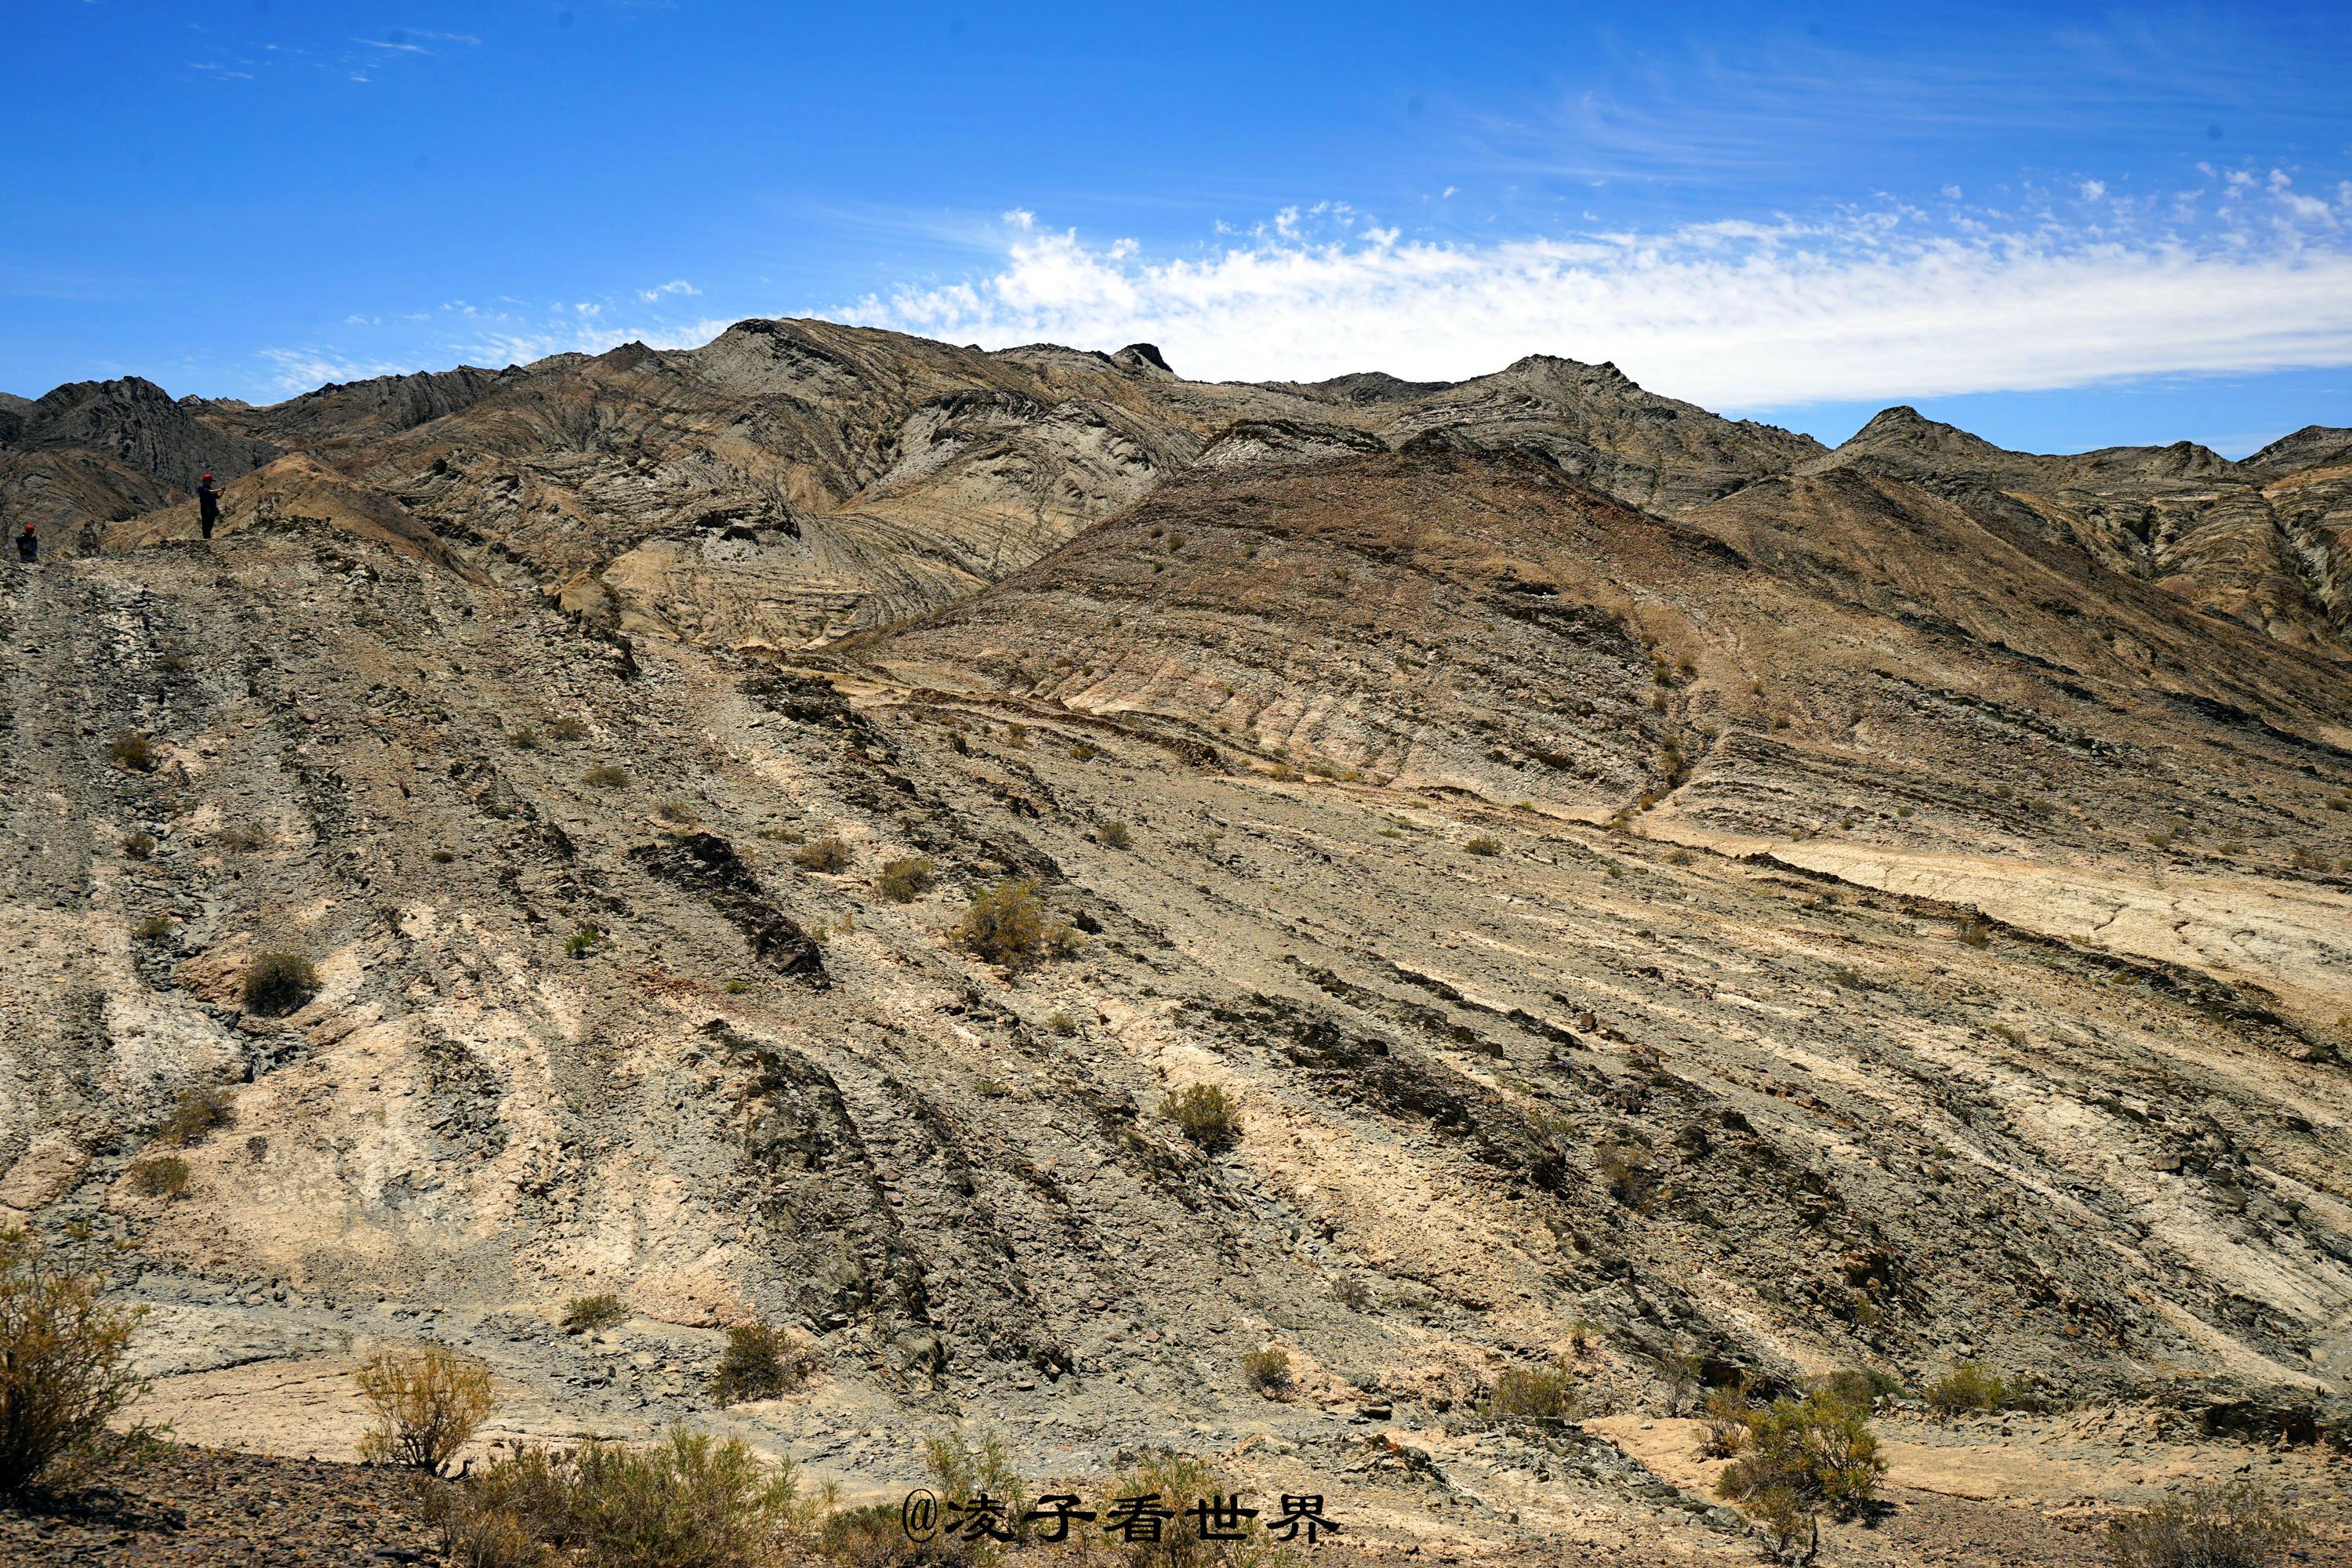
column 29, row 547
column 207, row 505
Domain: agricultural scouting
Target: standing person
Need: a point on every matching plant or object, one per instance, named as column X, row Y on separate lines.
column 207, row 505
column 29, row 547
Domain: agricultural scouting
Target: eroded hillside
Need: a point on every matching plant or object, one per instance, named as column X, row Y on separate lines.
column 1812, row 923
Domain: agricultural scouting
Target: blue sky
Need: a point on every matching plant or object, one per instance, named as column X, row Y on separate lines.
column 2059, row 226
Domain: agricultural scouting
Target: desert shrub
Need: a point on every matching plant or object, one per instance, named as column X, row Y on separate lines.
column 443, row 856
column 1678, row 856
column 1007, row 925
column 523, row 740
column 2308, row 860
column 587, row 1313
column 276, row 983
column 1545, row 1394
column 1204, row 1113
column 427, row 1404
column 1350, row 1291
column 200, row 1113
column 1061, row 1023
column 1967, row 1388
column 686, row 1501
column 242, row 837
column 964, row 1473
column 903, row 881
column 1269, row 1372
column 585, row 938
column 153, row 928
column 160, row 1176
column 2236, row 1526
column 1860, row 1386
column 1114, row 835
column 1803, row 1458
column 762, row 1362
column 568, row 728
column 1180, row 1481
column 1627, row 1170
column 1976, row 931
column 1084, row 752
column 606, row 775
column 827, row 855
column 1723, row 1424
column 1482, row 844
column 134, row 753
column 673, row 811
column 139, row 846
column 62, row 1374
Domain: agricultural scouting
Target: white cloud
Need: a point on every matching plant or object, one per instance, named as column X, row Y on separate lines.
column 1874, row 304
column 675, row 286
column 2093, row 190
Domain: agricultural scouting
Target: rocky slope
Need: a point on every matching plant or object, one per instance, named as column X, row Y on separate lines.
column 1695, row 906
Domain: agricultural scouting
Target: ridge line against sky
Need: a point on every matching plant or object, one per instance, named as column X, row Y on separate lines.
column 2062, row 226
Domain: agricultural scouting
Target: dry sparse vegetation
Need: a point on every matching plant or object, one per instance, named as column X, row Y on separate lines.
column 134, row 753
column 275, row 983
column 585, row 1314
column 606, row 775
column 63, row 1376
column 905, row 880
column 1269, row 1372
column 1007, row 926
column 687, row 1500
column 427, row 1404
column 200, row 1113
column 762, row 1362
column 2240, row 1525
column 827, row 856
column 1545, row 1396
column 1204, row 1113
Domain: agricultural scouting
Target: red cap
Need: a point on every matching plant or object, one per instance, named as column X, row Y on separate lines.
column 208, row 476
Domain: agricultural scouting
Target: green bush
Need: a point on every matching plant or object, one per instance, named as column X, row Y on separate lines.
column 762, row 1362
column 585, row 938
column 827, row 855
column 587, row 1313
column 1964, row 1390
column 1205, row 1113
column 1803, row 1458
column 1483, row 845
column 686, row 1501
column 1548, row 1395
column 2236, row 1526
column 427, row 1404
column 276, row 983
column 903, row 881
column 1007, row 925
column 62, row 1372
column 1269, row 1372
column 201, row 1112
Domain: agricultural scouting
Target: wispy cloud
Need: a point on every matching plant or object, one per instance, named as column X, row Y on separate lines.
column 675, row 286
column 1887, row 302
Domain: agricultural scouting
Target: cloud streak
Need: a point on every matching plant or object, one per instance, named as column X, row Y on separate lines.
column 1880, row 304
